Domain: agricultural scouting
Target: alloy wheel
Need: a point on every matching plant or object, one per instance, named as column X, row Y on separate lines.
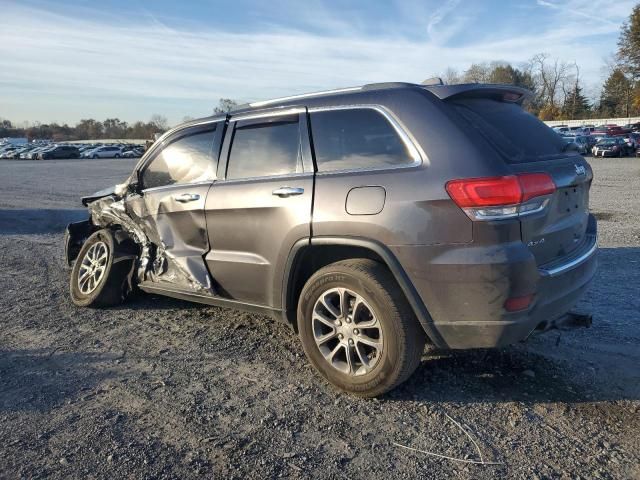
column 93, row 267
column 347, row 331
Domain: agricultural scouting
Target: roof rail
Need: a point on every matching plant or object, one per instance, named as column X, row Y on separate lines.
column 383, row 85
column 303, row 95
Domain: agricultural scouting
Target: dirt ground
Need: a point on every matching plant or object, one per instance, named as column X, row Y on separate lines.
column 159, row 388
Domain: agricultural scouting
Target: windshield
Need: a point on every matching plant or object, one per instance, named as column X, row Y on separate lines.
column 516, row 134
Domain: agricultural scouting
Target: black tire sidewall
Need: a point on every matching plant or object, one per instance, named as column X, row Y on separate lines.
column 378, row 301
column 77, row 296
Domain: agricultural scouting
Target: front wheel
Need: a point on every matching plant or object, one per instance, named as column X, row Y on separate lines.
column 95, row 279
column 357, row 328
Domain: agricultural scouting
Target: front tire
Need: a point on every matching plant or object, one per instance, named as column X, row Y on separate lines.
column 96, row 281
column 357, row 328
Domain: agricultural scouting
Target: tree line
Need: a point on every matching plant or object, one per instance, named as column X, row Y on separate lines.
column 86, row 129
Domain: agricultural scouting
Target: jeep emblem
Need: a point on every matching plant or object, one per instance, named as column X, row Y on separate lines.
column 580, row 170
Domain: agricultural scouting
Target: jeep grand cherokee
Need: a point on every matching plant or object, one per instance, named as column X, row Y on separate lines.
column 371, row 219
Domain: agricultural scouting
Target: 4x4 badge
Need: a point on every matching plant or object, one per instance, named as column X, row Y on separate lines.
column 580, row 170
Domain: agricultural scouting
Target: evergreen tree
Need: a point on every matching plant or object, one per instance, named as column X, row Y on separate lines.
column 616, row 99
column 629, row 45
column 576, row 105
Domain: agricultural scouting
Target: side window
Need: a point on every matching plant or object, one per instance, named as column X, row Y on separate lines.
column 186, row 160
column 265, row 149
column 358, row 138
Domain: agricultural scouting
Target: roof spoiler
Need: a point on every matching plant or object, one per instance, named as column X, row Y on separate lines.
column 504, row 93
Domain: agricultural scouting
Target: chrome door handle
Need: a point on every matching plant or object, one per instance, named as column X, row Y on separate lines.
column 284, row 192
column 186, row 197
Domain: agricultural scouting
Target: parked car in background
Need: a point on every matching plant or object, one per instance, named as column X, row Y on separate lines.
column 8, row 150
column 59, row 151
column 583, row 130
column 632, row 140
column 591, row 141
column 33, row 154
column 611, row 130
column 92, row 146
column 16, row 154
column 133, row 153
column 632, row 126
column 579, row 143
column 610, row 147
column 106, row 151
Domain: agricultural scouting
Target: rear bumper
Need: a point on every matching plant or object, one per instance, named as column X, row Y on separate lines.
column 464, row 290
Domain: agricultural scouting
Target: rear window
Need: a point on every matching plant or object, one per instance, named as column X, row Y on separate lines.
column 358, row 138
column 519, row 136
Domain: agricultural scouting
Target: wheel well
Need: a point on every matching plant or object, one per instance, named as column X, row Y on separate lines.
column 312, row 258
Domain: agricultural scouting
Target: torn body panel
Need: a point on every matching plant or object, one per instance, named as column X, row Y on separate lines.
column 155, row 223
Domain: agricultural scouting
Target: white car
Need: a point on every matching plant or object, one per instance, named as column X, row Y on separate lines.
column 134, row 153
column 106, row 151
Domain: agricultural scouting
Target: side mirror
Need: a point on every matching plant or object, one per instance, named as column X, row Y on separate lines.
column 135, row 187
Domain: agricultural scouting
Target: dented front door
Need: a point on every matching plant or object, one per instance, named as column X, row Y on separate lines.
column 173, row 189
column 175, row 224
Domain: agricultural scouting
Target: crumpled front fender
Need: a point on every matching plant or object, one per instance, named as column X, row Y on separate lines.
column 74, row 237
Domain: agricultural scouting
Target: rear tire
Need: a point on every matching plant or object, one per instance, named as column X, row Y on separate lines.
column 96, row 281
column 357, row 328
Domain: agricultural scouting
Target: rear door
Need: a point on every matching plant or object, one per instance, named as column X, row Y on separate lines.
column 174, row 186
column 528, row 145
column 260, row 205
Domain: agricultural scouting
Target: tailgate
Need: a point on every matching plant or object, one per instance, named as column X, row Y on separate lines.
column 561, row 228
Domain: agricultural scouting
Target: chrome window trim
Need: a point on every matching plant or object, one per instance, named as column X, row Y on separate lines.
column 149, row 155
column 576, row 262
column 264, row 178
column 270, row 113
column 160, row 141
column 177, row 185
column 263, row 103
column 415, row 151
column 257, row 116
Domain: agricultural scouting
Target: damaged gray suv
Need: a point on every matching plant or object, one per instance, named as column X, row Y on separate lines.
column 371, row 219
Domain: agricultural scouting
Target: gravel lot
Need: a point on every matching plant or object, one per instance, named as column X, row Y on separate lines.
column 159, row 388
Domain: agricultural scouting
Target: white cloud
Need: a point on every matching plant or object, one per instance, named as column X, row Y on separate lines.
column 56, row 66
column 438, row 17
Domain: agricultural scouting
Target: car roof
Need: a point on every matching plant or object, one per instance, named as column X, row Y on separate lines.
column 368, row 94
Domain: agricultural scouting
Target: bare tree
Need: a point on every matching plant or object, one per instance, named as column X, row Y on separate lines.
column 552, row 75
column 451, row 76
column 160, row 122
column 477, row 73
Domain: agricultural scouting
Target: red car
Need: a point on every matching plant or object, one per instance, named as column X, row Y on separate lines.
column 611, row 130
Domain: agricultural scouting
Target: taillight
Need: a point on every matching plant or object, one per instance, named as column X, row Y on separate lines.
column 493, row 198
column 514, row 304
